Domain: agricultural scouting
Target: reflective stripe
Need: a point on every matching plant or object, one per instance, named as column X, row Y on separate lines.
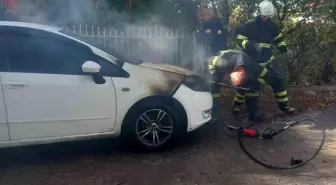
column 266, row 63
column 278, row 37
column 282, row 99
column 264, row 45
column 251, row 94
column 210, row 61
column 214, row 59
column 235, row 99
column 263, row 73
column 240, row 96
column 221, row 53
column 262, row 81
column 242, row 37
column 283, row 93
column 229, row 50
column 213, row 62
column 244, row 43
column 217, row 95
column 283, row 43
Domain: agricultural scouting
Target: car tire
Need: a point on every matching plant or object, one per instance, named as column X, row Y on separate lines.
column 153, row 126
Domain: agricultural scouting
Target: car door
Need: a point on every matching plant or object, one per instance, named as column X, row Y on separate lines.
column 4, row 134
column 47, row 94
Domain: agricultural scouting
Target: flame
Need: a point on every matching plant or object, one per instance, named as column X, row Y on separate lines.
column 237, row 77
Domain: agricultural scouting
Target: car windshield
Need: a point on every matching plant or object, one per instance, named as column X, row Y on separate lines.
column 102, row 47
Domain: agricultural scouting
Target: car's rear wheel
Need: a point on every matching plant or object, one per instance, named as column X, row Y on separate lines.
column 153, row 126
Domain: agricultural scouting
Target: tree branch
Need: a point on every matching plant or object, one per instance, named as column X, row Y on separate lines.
column 284, row 13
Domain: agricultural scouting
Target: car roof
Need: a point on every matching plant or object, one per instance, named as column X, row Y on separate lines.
column 55, row 30
column 30, row 25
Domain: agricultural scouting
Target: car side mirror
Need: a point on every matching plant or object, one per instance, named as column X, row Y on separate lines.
column 91, row 67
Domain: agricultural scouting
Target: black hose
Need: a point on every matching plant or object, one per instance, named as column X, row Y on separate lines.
column 294, row 163
column 240, row 135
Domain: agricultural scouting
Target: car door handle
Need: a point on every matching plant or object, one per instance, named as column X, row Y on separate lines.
column 12, row 85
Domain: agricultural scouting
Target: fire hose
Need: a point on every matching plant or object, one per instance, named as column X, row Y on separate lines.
column 270, row 134
column 231, row 86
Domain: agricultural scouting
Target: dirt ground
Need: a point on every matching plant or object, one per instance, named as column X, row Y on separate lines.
column 205, row 157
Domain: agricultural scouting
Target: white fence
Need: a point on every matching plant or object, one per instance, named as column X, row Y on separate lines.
column 154, row 44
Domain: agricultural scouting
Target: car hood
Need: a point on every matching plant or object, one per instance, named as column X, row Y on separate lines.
column 167, row 68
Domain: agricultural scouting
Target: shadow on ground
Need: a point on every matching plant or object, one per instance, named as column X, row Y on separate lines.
column 207, row 156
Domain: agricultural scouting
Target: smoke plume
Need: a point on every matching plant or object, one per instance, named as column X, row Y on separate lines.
column 147, row 37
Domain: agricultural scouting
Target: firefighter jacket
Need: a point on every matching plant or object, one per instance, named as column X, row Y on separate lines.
column 265, row 35
column 214, row 35
column 227, row 61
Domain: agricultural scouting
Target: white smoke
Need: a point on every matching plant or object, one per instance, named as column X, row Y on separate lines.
column 160, row 48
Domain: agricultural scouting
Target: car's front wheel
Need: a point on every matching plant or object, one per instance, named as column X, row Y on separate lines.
column 154, row 126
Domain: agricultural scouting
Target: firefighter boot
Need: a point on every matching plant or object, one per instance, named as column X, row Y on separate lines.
column 238, row 100
column 255, row 117
column 283, row 106
column 252, row 103
column 236, row 109
column 282, row 100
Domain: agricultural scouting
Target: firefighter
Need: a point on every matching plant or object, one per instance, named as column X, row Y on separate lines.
column 245, row 73
column 213, row 33
column 256, row 38
column 213, row 40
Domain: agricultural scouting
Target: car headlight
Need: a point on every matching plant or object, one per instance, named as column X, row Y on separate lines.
column 196, row 83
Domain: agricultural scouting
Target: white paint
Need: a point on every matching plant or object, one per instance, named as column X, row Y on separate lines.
column 194, row 103
column 4, row 135
column 49, row 105
column 90, row 67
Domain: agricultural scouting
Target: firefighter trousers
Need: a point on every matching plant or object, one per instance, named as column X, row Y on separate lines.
column 275, row 78
column 270, row 75
column 251, row 98
column 215, row 91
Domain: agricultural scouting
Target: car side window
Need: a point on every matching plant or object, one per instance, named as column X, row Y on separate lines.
column 31, row 54
column 109, row 69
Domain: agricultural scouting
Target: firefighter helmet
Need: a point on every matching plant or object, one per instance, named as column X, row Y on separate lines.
column 266, row 8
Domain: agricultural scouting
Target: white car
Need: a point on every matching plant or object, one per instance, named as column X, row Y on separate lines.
column 56, row 88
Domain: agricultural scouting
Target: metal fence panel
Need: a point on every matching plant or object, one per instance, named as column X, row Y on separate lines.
column 155, row 44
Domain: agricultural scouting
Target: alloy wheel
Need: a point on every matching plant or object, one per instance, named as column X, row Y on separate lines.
column 154, row 127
